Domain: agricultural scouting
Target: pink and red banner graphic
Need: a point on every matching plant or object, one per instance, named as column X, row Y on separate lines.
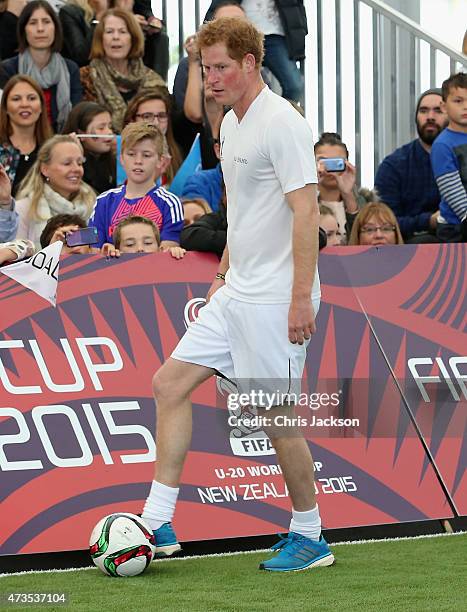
column 77, row 417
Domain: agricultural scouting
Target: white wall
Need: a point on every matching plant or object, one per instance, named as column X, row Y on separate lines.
column 446, row 19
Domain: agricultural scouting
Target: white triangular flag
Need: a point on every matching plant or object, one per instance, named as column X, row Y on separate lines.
column 39, row 272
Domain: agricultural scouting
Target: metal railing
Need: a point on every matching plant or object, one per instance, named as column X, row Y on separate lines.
column 392, row 60
column 366, row 65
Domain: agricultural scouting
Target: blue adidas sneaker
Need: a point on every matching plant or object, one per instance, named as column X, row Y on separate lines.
column 166, row 541
column 296, row 552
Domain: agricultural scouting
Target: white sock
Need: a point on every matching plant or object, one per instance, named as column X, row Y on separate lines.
column 306, row 523
column 160, row 505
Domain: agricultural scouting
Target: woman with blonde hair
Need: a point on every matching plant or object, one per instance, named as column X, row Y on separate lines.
column 53, row 186
column 24, row 126
column 154, row 107
column 375, row 225
column 78, row 19
column 116, row 72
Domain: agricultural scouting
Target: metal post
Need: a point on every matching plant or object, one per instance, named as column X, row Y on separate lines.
column 181, row 37
column 393, row 94
column 197, row 17
column 432, row 66
column 338, row 68
column 413, row 78
column 376, row 101
column 358, row 115
column 320, row 45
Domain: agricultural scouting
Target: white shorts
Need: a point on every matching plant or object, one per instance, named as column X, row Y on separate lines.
column 246, row 343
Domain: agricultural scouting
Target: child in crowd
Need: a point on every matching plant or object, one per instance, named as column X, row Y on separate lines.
column 328, row 221
column 137, row 234
column 194, row 209
column 86, row 120
column 58, row 226
column 154, row 107
column 142, row 158
column 448, row 160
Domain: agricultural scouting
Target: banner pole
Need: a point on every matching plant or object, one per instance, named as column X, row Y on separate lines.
column 412, row 416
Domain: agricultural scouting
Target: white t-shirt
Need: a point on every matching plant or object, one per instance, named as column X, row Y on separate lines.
column 264, row 15
column 265, row 156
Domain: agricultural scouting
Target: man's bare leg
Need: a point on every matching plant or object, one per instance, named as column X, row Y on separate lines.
column 172, row 384
column 296, row 463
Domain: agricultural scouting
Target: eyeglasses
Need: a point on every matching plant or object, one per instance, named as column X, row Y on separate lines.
column 372, row 229
column 152, row 116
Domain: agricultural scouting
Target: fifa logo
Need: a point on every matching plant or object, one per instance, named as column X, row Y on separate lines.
column 244, row 441
column 444, row 377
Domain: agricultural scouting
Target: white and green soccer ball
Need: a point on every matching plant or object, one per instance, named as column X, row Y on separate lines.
column 122, row 544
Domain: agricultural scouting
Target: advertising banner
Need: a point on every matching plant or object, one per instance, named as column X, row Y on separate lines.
column 384, row 398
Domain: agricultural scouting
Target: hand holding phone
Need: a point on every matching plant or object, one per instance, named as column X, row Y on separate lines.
column 82, row 237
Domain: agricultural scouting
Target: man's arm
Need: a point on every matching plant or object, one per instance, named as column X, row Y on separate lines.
column 304, row 205
column 448, row 179
column 218, row 282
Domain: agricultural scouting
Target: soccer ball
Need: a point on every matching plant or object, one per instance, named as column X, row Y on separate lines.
column 122, row 544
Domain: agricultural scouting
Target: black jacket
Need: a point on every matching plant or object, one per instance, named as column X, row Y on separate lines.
column 77, row 34
column 143, row 7
column 208, row 234
column 8, row 40
column 293, row 18
column 100, row 171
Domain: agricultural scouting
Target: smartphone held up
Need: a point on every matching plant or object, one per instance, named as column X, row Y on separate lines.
column 82, row 237
column 333, row 164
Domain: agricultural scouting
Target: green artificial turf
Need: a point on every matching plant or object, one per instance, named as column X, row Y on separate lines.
column 414, row 574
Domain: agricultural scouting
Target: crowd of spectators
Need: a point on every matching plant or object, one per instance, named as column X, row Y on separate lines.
column 76, row 76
